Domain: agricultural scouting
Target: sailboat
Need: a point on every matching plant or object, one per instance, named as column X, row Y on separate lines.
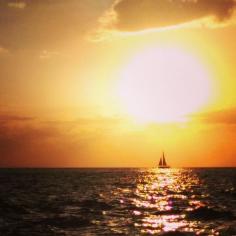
column 162, row 162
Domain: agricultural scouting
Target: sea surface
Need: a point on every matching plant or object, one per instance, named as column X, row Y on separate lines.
column 75, row 202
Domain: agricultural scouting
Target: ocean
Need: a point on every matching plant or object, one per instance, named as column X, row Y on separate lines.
column 88, row 202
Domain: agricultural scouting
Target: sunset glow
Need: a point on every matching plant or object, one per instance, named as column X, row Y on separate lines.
column 114, row 83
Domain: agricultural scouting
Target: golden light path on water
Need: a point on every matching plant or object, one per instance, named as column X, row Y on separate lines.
column 162, row 199
column 166, row 181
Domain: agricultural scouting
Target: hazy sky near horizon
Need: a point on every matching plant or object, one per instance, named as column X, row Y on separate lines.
column 82, row 82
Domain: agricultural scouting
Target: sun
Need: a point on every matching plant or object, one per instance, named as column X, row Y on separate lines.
column 163, row 84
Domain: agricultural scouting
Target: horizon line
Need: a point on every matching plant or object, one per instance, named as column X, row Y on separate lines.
column 87, row 167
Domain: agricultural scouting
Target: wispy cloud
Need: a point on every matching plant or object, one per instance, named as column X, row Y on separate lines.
column 3, row 50
column 17, row 5
column 224, row 116
column 5, row 118
column 45, row 54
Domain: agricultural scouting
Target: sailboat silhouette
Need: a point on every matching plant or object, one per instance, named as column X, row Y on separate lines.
column 162, row 162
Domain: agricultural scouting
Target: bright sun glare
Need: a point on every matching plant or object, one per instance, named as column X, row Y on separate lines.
column 163, row 85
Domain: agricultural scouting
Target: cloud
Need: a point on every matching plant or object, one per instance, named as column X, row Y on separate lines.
column 26, row 145
column 8, row 118
column 37, row 144
column 46, row 24
column 138, row 15
column 3, row 50
column 225, row 116
column 26, row 141
column 45, row 54
column 17, row 5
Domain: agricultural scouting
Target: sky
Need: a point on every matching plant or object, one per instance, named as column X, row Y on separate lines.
column 113, row 83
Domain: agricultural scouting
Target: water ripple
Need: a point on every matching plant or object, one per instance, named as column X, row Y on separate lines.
column 118, row 202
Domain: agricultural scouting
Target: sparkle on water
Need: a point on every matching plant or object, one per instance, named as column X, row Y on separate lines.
column 156, row 193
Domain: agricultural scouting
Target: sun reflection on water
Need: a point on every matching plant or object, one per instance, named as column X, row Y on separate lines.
column 160, row 197
column 159, row 201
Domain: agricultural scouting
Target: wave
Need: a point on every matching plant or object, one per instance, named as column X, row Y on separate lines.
column 207, row 213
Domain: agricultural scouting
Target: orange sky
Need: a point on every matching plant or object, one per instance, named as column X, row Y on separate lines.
column 113, row 83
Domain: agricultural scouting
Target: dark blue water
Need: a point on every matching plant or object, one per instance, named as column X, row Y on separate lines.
column 117, row 202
